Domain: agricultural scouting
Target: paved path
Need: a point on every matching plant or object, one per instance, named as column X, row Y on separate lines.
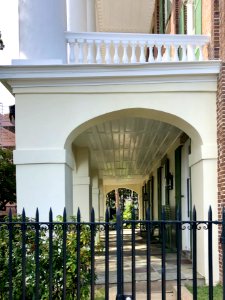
column 171, row 275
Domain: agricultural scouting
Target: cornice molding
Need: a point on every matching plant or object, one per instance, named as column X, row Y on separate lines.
column 69, row 75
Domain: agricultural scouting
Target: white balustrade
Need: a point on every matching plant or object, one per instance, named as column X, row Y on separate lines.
column 128, row 48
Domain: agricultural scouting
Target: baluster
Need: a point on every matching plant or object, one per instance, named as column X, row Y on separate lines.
column 191, row 52
column 81, row 51
column 150, row 55
column 98, row 54
column 133, row 55
column 176, row 56
column 201, row 58
column 116, row 58
column 107, row 54
column 142, row 54
column 125, row 59
column 166, row 54
column 90, row 52
column 184, row 53
column 159, row 55
column 71, row 51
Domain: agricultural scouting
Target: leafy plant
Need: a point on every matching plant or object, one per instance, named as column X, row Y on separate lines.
column 7, row 178
column 57, row 261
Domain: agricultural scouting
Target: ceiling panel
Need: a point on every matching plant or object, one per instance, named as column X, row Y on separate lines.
column 127, row 147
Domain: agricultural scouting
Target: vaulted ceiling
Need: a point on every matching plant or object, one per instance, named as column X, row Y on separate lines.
column 128, row 147
column 124, row 15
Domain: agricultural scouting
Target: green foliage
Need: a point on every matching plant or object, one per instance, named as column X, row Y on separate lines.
column 127, row 214
column 7, row 178
column 203, row 292
column 57, row 262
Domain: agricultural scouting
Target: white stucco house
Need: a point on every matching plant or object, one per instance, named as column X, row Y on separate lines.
column 103, row 103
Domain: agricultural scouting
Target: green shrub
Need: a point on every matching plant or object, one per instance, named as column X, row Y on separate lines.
column 57, row 262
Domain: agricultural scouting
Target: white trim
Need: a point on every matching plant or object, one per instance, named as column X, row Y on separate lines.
column 42, row 156
column 92, row 74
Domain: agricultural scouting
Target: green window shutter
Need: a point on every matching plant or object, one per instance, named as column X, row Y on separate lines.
column 168, row 10
column 198, row 16
column 198, row 21
column 181, row 21
column 161, row 16
column 178, row 176
column 159, row 191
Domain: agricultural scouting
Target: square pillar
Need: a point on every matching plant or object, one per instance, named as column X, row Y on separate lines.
column 44, row 181
column 82, row 195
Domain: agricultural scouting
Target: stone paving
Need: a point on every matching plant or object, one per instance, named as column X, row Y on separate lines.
column 140, row 246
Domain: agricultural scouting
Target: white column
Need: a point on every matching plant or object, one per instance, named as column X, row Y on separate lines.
column 81, row 15
column 95, row 196
column 91, row 20
column 42, row 25
column 190, row 26
column 44, row 181
column 190, row 16
column 81, row 184
column 77, row 15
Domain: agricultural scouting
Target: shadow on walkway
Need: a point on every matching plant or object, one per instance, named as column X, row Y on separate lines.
column 140, row 262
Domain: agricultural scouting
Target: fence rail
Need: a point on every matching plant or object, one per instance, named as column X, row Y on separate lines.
column 56, row 259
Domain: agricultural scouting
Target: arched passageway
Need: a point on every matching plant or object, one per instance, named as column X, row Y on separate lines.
column 126, row 200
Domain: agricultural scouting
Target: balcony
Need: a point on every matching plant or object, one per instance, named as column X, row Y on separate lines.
column 131, row 48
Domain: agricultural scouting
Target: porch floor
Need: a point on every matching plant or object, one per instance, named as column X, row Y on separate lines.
column 140, row 246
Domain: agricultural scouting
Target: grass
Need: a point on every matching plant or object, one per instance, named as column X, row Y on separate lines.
column 100, row 294
column 203, row 292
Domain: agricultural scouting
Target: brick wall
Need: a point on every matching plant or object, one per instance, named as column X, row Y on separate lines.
column 222, row 29
column 217, row 51
column 215, row 30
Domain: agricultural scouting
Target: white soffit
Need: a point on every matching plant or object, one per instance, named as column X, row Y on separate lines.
column 124, row 15
column 129, row 147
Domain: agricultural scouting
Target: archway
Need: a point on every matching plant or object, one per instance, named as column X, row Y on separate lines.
column 126, row 200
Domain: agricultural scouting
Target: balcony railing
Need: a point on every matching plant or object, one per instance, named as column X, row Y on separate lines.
column 128, row 48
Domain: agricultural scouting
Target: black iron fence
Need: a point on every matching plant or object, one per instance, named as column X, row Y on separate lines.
column 56, row 259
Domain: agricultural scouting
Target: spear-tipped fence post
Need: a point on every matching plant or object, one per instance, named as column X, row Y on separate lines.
column 64, row 226
column 149, row 229
column 37, row 254
column 119, row 254
column 10, row 228
column 107, row 254
column 133, row 225
column 179, row 249
column 50, row 227
column 210, row 254
column 194, row 252
column 78, row 252
column 163, row 236
column 23, row 229
column 92, row 225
